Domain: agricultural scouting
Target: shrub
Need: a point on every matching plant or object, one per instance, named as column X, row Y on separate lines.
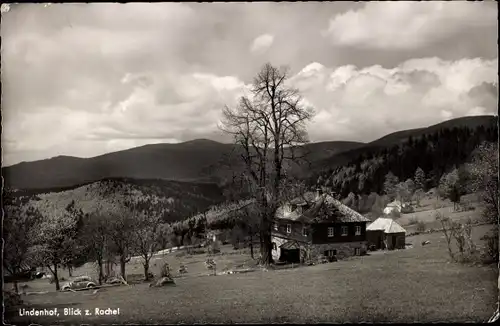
column 11, row 299
column 420, row 226
column 407, row 209
column 490, row 253
column 165, row 271
column 213, row 248
column 198, row 251
column 180, row 254
column 412, row 221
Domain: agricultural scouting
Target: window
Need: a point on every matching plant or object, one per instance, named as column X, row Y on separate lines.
column 288, row 228
column 357, row 251
column 344, row 231
column 330, row 232
column 330, row 253
column 358, row 230
column 305, row 231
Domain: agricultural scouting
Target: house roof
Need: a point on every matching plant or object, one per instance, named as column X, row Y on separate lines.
column 322, row 208
column 287, row 236
column 290, row 245
column 387, row 225
column 395, row 203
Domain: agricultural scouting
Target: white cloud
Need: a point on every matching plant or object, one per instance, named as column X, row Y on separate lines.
column 84, row 79
column 262, row 43
column 374, row 101
column 407, row 24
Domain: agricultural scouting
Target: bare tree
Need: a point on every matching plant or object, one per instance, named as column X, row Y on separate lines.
column 269, row 127
column 96, row 234
column 121, row 232
column 147, row 238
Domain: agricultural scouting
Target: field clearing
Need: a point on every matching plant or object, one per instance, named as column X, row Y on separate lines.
column 412, row 285
column 426, row 212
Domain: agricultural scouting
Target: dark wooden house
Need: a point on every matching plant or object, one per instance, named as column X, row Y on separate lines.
column 317, row 225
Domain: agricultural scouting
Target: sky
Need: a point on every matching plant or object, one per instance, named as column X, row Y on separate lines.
column 87, row 79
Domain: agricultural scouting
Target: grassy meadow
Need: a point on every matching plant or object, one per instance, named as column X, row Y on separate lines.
column 418, row 284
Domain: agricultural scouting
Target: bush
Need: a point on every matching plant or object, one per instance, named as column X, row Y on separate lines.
column 180, row 254
column 466, row 207
column 407, row 209
column 420, row 226
column 412, row 221
column 11, row 299
column 490, row 253
column 165, row 271
column 213, row 248
column 198, row 251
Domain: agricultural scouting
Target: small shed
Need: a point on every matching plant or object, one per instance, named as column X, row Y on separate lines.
column 385, row 233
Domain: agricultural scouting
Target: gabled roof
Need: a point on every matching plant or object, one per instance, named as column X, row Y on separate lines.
column 395, row 203
column 288, row 236
column 323, row 208
column 387, row 225
column 290, row 245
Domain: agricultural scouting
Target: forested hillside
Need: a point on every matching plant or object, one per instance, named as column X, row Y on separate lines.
column 173, row 200
column 364, row 171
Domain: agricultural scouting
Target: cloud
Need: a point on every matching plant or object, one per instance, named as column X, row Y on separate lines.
column 366, row 103
column 359, row 104
column 86, row 79
column 406, row 25
column 262, row 43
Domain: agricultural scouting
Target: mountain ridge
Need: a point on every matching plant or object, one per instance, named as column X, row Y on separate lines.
column 199, row 160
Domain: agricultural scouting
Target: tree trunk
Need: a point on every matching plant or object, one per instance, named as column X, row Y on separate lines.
column 146, row 270
column 266, row 248
column 100, row 271
column 56, row 278
column 251, row 246
column 108, row 267
column 16, row 286
column 123, row 262
column 70, row 271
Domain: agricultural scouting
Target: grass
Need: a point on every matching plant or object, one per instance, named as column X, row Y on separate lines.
column 412, row 285
column 424, row 215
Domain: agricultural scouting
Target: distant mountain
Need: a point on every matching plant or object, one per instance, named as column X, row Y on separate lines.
column 401, row 137
column 174, row 200
column 196, row 161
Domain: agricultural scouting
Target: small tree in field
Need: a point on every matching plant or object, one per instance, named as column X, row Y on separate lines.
column 484, row 178
column 19, row 229
column 390, row 185
column 452, row 186
column 462, row 234
column 147, row 238
column 96, row 234
column 269, row 126
column 419, row 179
column 56, row 242
column 121, row 233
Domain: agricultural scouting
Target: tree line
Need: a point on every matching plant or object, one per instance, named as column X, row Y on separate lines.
column 434, row 154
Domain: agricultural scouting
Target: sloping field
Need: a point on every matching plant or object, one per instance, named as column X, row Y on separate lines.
column 412, row 285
